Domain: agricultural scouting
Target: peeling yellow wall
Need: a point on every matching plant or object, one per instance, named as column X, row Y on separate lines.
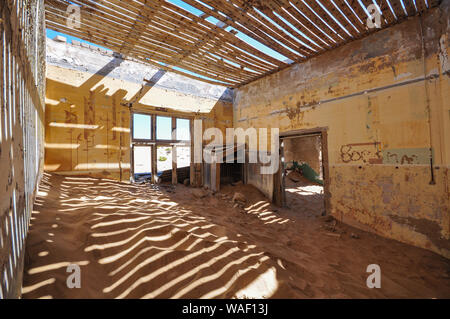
column 87, row 120
column 87, row 130
column 382, row 118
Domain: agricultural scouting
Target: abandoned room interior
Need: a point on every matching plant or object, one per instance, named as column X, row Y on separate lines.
column 225, row 149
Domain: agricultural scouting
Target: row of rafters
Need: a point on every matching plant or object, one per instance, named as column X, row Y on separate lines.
column 163, row 34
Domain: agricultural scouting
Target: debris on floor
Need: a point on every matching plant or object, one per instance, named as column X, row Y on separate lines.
column 199, row 192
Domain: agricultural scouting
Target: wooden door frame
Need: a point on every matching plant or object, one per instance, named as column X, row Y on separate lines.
column 279, row 184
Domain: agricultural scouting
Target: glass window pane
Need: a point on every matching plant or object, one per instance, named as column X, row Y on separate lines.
column 163, row 128
column 183, row 130
column 142, row 159
column 164, row 158
column 183, row 156
column 142, row 126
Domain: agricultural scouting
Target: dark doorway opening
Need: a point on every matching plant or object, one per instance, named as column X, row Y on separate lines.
column 225, row 166
column 231, row 173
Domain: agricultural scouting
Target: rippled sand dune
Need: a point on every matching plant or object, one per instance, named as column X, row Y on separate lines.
column 162, row 242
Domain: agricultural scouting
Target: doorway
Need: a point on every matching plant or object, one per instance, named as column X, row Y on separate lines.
column 304, row 172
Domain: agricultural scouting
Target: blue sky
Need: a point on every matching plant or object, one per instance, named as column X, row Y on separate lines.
column 51, row 34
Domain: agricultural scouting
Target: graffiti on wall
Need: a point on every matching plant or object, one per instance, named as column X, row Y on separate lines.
column 361, row 152
column 406, row 156
column 371, row 153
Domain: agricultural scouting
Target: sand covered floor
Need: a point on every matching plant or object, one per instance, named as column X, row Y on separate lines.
column 144, row 242
column 304, row 197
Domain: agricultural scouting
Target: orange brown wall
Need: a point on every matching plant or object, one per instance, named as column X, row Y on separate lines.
column 382, row 119
column 87, row 131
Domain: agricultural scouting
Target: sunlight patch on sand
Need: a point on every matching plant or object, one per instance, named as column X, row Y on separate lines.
column 264, row 286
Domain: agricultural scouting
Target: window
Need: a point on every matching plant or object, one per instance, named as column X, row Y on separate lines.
column 183, row 156
column 142, row 156
column 183, row 130
column 163, row 128
column 142, row 126
column 155, row 135
column 163, row 158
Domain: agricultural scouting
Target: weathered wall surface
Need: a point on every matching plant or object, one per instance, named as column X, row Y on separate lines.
column 264, row 182
column 22, row 87
column 304, row 149
column 87, row 131
column 88, row 100
column 382, row 119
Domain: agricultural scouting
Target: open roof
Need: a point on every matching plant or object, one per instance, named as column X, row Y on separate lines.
column 227, row 42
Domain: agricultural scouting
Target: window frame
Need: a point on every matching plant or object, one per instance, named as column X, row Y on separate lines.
column 153, row 128
column 189, row 122
column 171, row 128
column 155, row 143
column 132, row 127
